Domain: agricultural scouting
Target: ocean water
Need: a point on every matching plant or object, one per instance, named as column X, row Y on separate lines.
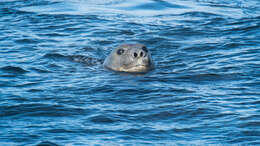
column 205, row 88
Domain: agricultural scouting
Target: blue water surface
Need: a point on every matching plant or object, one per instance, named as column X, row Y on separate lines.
column 204, row 90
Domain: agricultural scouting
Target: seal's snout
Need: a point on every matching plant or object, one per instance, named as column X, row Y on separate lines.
column 139, row 54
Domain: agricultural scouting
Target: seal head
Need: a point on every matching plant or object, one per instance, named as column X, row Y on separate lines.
column 134, row 58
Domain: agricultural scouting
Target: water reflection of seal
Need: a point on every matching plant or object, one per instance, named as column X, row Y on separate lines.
column 134, row 58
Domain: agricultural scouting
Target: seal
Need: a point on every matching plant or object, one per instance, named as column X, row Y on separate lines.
column 133, row 58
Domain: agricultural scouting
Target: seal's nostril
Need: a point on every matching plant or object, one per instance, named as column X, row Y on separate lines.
column 141, row 54
column 135, row 54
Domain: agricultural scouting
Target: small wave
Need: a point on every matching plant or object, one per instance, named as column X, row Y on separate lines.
column 160, row 116
column 242, row 27
column 27, row 84
column 39, row 110
column 54, row 34
column 10, row 11
column 35, row 90
column 26, row 41
column 40, row 70
column 153, row 133
column 13, row 69
column 54, row 56
column 47, row 143
column 199, row 14
column 102, row 119
column 155, row 5
column 211, row 77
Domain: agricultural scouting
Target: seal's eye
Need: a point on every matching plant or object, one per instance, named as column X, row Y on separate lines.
column 145, row 49
column 120, row 51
